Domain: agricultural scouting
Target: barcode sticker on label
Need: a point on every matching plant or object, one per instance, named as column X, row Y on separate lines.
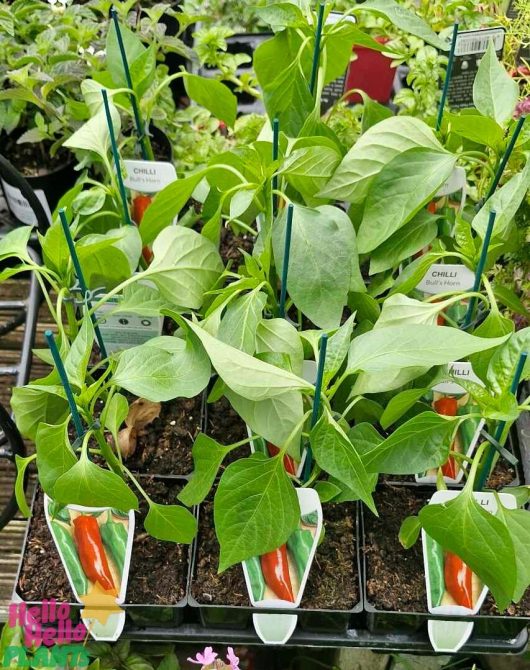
column 476, row 41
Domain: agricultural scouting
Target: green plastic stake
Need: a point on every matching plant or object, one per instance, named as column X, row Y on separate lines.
column 275, row 156
column 316, row 52
column 490, row 451
column 116, row 156
column 480, row 269
column 145, row 144
column 316, row 402
column 506, row 157
column 66, row 384
column 81, row 278
column 286, row 255
column 448, row 75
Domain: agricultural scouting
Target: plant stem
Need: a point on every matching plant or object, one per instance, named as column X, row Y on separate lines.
column 107, row 452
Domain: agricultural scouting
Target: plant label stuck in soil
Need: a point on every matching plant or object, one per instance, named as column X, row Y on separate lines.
column 123, row 330
column 20, row 207
column 95, row 546
column 277, row 580
column 148, row 176
column 452, row 588
column 441, row 278
column 451, row 399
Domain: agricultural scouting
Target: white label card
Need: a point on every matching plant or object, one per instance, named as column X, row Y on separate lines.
column 21, row 208
column 124, row 330
column 148, row 176
column 476, row 41
column 456, row 182
column 445, row 278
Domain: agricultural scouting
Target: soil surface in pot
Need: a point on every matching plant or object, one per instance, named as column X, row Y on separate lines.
column 333, row 580
column 394, row 576
column 158, row 569
column 224, row 425
column 34, row 159
column 164, row 446
column 230, row 244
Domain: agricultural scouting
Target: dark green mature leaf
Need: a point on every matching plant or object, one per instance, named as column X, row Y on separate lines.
column 164, row 368
column 400, row 405
column 421, row 443
column 255, row 509
column 335, row 454
column 517, row 521
column 215, row 96
column 288, row 99
column 320, row 264
column 495, row 93
column 171, row 523
column 503, row 363
column 481, row 540
column 326, row 491
column 207, row 458
column 54, row 454
column 409, row 531
column 87, row 484
column 396, row 195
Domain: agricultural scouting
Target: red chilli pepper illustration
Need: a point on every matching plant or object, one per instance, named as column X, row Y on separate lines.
column 448, row 407
column 288, row 461
column 91, row 552
column 275, row 568
column 458, row 580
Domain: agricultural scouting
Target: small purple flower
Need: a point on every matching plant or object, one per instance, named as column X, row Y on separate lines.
column 232, row 659
column 522, row 108
column 206, row 658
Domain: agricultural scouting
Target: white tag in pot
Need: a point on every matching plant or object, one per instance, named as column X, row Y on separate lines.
column 102, row 587
column 451, row 635
column 299, row 553
column 20, row 207
column 446, row 278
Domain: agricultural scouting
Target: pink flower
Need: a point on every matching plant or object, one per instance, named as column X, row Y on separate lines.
column 232, row 659
column 206, row 658
column 522, row 108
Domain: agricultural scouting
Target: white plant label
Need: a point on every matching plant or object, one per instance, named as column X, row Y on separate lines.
column 21, row 208
column 124, row 330
column 456, row 182
column 148, row 176
column 445, row 278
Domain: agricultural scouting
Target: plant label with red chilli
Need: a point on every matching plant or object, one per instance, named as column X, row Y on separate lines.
column 277, row 579
column 20, row 207
column 446, row 278
column 95, row 546
column 450, row 399
column 452, row 588
column 148, row 176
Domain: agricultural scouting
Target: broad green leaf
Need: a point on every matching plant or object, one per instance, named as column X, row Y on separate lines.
column 278, row 335
column 389, row 380
column 414, row 236
column 36, row 403
column 494, row 325
column 398, row 347
column 143, row 70
column 185, row 266
column 94, row 134
column 421, row 443
column 481, row 540
column 373, row 150
column 326, row 491
column 115, row 413
column 495, row 93
column 240, row 321
column 141, row 300
column 164, row 368
column 337, row 349
column 281, row 15
column 55, row 252
column 15, row 243
column 22, row 464
column 273, row 419
column 476, row 128
column 396, row 195
column 54, row 454
column 167, row 204
column 401, row 310
column 255, row 509
column 409, row 532
column 503, row 363
column 520, row 493
column 172, row 523
column 320, row 263
column 85, row 483
column 78, row 357
column 517, row 521
column 207, row 458
column 214, row 96
column 247, row 376
column 133, row 50
column 308, row 169
column 335, row 454
column 511, row 300
column 400, row 405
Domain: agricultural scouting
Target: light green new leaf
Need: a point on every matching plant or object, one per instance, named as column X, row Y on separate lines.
column 94, row 134
column 517, row 521
column 38, row 402
column 207, row 458
column 15, row 243
column 255, row 509
column 164, row 368
column 495, row 93
column 409, row 532
column 396, row 194
column 476, row 128
column 133, row 50
column 308, row 169
column 400, row 405
column 240, row 321
column 54, row 454
column 337, row 350
column 171, row 523
column 115, row 413
column 481, row 540
column 372, row 151
column 401, row 310
column 335, row 454
column 503, row 363
column 215, row 96
column 78, row 357
column 280, row 336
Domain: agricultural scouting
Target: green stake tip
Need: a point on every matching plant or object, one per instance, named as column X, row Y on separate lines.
column 48, row 334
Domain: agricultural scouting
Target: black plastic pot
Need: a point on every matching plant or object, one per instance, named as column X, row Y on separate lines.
column 138, row 615
column 229, row 617
column 386, row 622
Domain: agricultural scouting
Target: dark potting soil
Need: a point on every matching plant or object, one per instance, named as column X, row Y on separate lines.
column 34, row 159
column 158, row 569
column 332, row 583
column 224, row 425
column 394, row 576
column 164, row 446
column 231, row 245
